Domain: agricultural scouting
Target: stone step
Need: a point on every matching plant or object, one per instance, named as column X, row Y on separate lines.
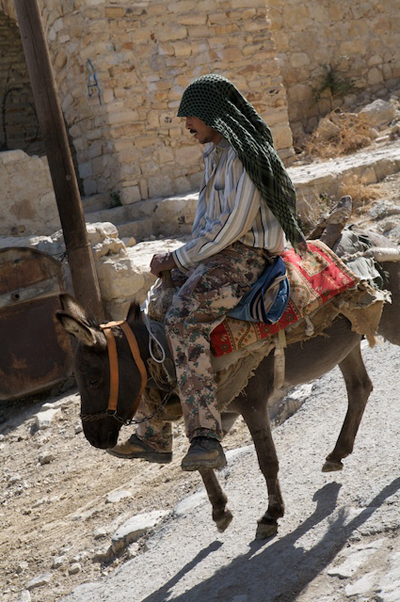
column 171, row 216
column 97, row 202
column 330, row 177
column 140, row 229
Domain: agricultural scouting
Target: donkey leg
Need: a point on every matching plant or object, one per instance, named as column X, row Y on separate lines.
column 258, row 423
column 221, row 515
column 359, row 387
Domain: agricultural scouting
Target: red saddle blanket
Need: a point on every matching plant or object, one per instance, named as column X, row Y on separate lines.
column 314, row 280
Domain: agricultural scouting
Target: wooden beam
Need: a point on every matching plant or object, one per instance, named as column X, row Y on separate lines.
column 80, row 258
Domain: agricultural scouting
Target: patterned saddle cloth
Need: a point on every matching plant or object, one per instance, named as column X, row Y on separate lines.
column 314, row 280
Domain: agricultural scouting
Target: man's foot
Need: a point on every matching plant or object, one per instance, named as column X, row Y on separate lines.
column 136, row 448
column 204, row 452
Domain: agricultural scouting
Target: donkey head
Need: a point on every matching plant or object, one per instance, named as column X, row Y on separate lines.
column 92, row 372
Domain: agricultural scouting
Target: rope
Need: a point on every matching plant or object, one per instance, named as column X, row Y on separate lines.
column 152, row 336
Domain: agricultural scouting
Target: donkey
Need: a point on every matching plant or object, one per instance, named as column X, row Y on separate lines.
column 305, row 361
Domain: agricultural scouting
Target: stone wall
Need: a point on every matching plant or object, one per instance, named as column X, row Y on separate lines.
column 326, row 46
column 19, row 123
column 121, row 68
column 27, row 202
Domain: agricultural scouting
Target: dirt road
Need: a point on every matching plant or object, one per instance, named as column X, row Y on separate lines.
column 339, row 539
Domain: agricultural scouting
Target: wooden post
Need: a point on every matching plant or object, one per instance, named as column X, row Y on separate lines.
column 81, row 263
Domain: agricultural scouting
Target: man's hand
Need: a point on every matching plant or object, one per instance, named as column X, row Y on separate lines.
column 161, row 263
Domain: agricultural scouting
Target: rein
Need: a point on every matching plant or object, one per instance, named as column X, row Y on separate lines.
column 114, row 373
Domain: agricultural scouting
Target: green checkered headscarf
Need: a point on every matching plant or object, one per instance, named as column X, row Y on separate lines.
column 216, row 101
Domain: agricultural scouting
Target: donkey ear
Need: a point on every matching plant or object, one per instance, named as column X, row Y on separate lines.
column 71, row 306
column 86, row 334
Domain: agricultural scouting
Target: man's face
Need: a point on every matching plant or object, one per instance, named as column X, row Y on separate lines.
column 201, row 131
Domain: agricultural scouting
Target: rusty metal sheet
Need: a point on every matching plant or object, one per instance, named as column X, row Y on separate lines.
column 36, row 352
column 26, row 273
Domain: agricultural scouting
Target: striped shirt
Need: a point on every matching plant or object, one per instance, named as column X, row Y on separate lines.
column 229, row 209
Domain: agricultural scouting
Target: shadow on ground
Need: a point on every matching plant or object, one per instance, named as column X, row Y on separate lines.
column 277, row 570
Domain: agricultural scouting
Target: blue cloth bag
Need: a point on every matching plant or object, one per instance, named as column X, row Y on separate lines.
column 268, row 297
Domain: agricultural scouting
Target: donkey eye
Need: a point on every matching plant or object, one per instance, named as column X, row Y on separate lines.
column 94, row 382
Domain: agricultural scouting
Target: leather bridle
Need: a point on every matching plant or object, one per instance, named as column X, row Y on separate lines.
column 112, row 409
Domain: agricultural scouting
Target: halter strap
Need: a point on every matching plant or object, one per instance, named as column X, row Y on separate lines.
column 113, row 363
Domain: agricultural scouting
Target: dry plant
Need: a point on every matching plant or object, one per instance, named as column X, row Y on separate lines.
column 353, row 132
column 316, row 208
column 362, row 194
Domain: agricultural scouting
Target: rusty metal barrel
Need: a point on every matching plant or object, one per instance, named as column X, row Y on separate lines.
column 35, row 351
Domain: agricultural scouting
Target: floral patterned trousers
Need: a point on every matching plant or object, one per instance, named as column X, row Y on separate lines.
column 205, row 294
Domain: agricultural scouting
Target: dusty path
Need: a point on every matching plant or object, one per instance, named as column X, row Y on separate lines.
column 348, row 516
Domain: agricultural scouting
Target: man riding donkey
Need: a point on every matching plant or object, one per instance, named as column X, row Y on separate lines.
column 246, row 206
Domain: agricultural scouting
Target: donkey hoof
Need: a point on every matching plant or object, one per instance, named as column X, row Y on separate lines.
column 330, row 466
column 224, row 522
column 265, row 530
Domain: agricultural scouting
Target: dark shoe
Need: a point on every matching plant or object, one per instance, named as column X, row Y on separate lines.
column 204, row 452
column 136, row 448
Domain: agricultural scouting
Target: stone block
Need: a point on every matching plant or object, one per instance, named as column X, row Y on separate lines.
column 183, row 186
column 133, row 528
column 385, row 167
column 115, row 118
column 90, row 186
column 368, row 176
column 97, row 232
column 244, row 3
column 226, row 29
column 327, row 130
column 44, row 419
column 142, row 142
column 172, row 32
column 299, row 93
column 85, row 170
column 182, row 49
column 231, row 54
column 159, row 185
column 199, row 31
column 193, row 18
column 118, row 278
column 114, row 12
column 144, row 189
column 299, row 59
column 379, row 113
column 165, row 155
column 130, row 195
column 374, row 60
column 282, row 136
column 188, row 154
column 374, row 76
column 14, row 156
column 182, row 6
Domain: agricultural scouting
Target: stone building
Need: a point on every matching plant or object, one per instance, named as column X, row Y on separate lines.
column 121, row 67
column 334, row 54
